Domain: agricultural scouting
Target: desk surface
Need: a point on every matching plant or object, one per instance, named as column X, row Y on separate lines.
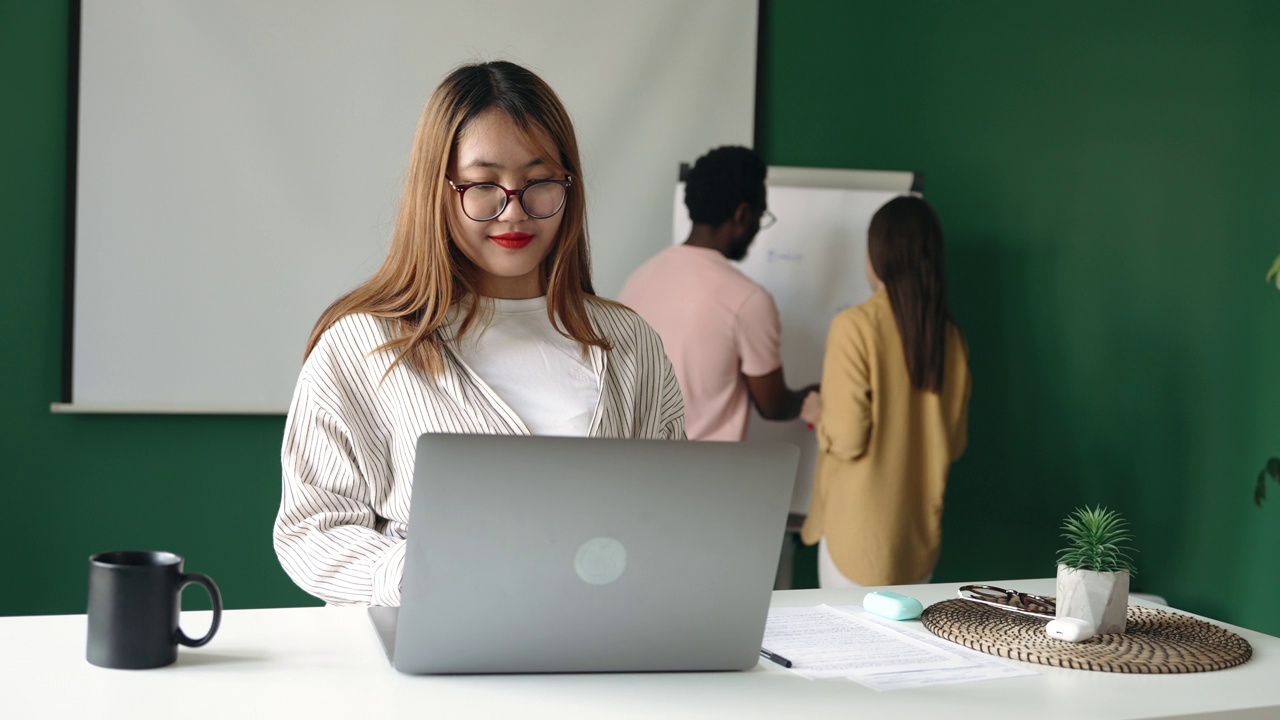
column 327, row 662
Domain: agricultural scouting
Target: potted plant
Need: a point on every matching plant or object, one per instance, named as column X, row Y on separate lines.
column 1094, row 569
column 1272, row 466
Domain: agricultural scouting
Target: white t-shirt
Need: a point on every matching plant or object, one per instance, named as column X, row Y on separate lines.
column 544, row 377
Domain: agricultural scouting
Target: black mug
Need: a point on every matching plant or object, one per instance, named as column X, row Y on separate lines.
column 134, row 600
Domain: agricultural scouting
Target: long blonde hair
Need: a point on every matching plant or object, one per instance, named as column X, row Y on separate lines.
column 424, row 272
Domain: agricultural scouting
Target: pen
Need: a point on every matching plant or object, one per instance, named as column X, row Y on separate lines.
column 775, row 657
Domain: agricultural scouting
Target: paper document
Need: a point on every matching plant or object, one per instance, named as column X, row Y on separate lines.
column 981, row 665
column 848, row 642
column 824, row 642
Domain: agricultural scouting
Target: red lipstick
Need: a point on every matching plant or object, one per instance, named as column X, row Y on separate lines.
column 512, row 240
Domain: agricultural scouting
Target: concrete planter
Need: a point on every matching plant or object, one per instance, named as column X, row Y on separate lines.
column 1100, row 599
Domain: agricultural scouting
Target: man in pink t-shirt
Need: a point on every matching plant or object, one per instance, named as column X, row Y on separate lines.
column 719, row 327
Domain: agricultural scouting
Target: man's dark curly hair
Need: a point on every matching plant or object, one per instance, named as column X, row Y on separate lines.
column 720, row 181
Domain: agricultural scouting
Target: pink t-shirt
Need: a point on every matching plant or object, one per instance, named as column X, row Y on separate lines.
column 717, row 326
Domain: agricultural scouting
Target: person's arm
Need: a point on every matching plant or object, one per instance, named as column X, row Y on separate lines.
column 759, row 332
column 640, row 397
column 846, row 391
column 960, row 424
column 672, row 418
column 325, row 533
column 773, row 399
column 811, row 411
column 960, row 430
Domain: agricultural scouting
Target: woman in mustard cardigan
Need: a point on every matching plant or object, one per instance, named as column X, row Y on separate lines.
column 892, row 414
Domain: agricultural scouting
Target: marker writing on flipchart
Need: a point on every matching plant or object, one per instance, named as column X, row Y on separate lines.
column 775, row 256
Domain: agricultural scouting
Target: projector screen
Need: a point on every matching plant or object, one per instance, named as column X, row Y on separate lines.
column 239, row 163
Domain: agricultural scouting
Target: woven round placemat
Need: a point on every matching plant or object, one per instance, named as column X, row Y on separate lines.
column 1154, row 641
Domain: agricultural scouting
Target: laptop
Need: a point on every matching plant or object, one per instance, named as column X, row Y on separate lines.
column 534, row 554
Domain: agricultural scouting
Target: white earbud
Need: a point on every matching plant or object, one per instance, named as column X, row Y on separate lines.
column 1069, row 629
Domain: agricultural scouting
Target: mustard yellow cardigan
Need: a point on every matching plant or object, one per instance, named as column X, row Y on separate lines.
column 884, row 449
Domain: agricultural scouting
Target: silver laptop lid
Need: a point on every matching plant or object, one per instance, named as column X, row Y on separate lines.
column 547, row 554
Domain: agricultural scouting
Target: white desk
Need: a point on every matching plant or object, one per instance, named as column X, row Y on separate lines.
column 327, row 663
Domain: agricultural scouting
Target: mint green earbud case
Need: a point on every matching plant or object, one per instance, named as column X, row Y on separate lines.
column 892, row 605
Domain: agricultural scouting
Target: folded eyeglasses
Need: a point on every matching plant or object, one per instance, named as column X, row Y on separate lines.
column 1012, row 600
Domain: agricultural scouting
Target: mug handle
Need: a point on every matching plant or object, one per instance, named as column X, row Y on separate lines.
column 214, row 595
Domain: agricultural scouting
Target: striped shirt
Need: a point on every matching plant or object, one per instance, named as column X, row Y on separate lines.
column 349, row 441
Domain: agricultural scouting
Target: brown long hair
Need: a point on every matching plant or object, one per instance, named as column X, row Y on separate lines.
column 424, row 272
column 905, row 246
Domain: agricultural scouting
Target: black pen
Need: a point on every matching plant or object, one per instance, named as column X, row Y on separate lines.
column 775, row 657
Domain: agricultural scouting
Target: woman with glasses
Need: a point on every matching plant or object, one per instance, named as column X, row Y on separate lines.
column 893, row 412
column 482, row 319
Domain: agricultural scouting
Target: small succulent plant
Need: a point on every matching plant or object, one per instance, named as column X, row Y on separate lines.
column 1098, row 540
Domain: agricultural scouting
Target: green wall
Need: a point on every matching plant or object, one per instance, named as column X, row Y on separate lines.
column 1104, row 172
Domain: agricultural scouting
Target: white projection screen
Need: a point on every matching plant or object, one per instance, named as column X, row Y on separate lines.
column 239, row 163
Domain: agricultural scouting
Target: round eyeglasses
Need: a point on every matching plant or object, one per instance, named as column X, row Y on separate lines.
column 484, row 201
column 767, row 219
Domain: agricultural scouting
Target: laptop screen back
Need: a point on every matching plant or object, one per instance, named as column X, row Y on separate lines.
column 548, row 554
